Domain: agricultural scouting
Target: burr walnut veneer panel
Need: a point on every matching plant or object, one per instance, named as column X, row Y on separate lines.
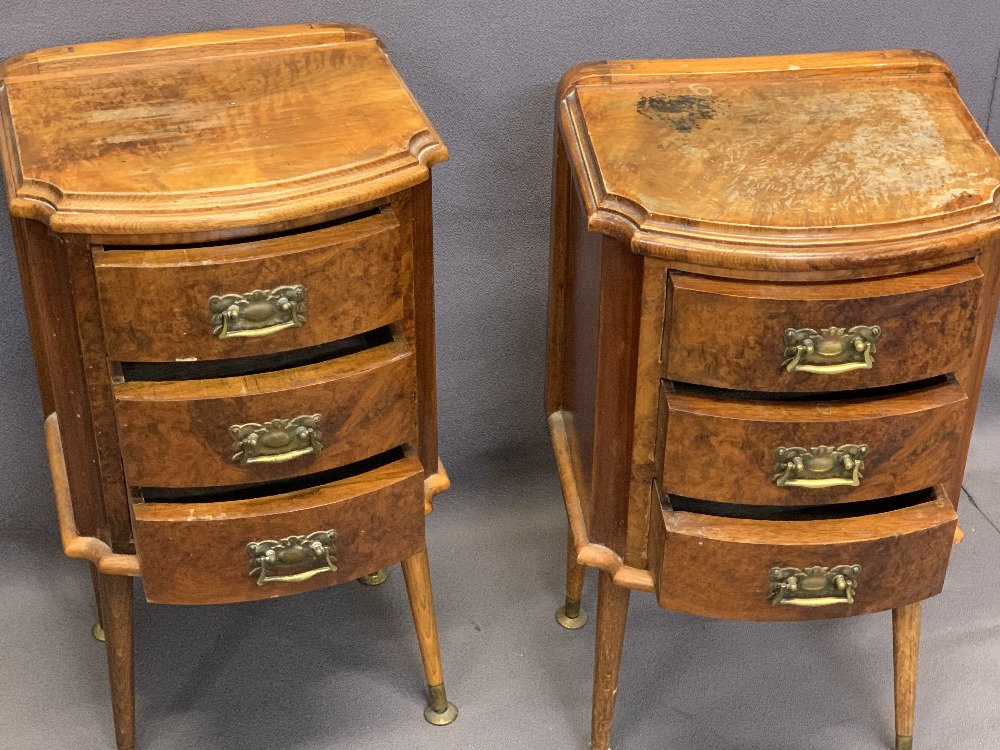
column 724, row 448
column 168, row 303
column 179, row 434
column 731, row 334
column 722, row 567
column 196, row 553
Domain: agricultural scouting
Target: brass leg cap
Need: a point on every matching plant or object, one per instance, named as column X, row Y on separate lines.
column 904, row 743
column 98, row 632
column 374, row 579
column 571, row 623
column 443, row 718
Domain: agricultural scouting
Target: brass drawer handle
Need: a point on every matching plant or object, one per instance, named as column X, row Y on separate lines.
column 314, row 552
column 814, row 587
column 276, row 441
column 822, row 466
column 830, row 350
column 258, row 313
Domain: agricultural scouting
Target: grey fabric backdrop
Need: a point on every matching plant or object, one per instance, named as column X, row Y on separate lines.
column 485, row 74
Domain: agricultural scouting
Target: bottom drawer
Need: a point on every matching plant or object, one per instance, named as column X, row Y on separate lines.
column 260, row 548
column 751, row 569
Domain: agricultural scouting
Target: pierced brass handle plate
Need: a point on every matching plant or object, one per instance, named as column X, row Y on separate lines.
column 831, row 350
column 822, row 466
column 261, row 312
column 276, row 441
column 272, row 561
column 814, row 587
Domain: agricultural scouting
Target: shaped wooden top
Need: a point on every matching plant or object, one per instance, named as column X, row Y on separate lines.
column 793, row 151
column 199, row 132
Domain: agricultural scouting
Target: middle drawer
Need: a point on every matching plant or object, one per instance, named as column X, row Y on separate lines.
column 809, row 452
column 254, row 428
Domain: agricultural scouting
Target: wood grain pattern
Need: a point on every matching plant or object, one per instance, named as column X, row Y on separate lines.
column 574, row 319
column 176, row 434
column 612, row 612
column 100, row 398
column 423, row 323
column 880, row 143
column 575, row 572
column 723, row 449
column 318, row 114
column 155, row 302
column 33, row 302
column 720, row 567
column 47, row 265
column 730, row 334
column 196, row 553
column 115, row 601
column 76, row 545
column 905, row 654
column 971, row 374
column 417, row 574
column 618, row 338
column 649, row 366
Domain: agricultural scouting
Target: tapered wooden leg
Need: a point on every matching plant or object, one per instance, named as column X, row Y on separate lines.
column 905, row 649
column 116, row 614
column 98, row 630
column 417, row 574
column 612, row 611
column 570, row 616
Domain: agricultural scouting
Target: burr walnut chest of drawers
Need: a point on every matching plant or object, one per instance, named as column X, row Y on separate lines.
column 773, row 286
column 226, row 253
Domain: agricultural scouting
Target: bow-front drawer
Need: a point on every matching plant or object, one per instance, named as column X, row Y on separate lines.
column 754, row 569
column 809, row 452
column 821, row 337
column 237, row 550
column 250, row 298
column 254, row 428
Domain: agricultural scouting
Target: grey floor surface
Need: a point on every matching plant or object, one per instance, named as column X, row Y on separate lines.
column 340, row 668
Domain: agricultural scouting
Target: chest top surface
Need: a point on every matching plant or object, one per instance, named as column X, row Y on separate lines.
column 199, row 131
column 792, row 149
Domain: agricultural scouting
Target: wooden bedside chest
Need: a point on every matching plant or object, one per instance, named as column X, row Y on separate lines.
column 773, row 286
column 226, row 253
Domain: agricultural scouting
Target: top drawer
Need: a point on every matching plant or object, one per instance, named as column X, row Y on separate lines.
column 821, row 337
column 251, row 298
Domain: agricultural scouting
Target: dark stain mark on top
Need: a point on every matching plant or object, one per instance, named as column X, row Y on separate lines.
column 964, row 199
column 683, row 113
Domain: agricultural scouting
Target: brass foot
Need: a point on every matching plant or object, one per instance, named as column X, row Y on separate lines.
column 98, row 632
column 570, row 616
column 440, row 711
column 904, row 743
column 374, row 579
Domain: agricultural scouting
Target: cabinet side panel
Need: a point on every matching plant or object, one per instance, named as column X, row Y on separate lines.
column 617, row 363
column 33, row 302
column 97, row 376
column 573, row 353
column 45, row 260
column 423, row 300
column 647, row 389
column 971, row 376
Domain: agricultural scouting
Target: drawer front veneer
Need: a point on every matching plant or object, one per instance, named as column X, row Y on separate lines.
column 739, row 569
column 198, row 553
column 252, row 298
column 727, row 450
column 732, row 334
column 256, row 428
